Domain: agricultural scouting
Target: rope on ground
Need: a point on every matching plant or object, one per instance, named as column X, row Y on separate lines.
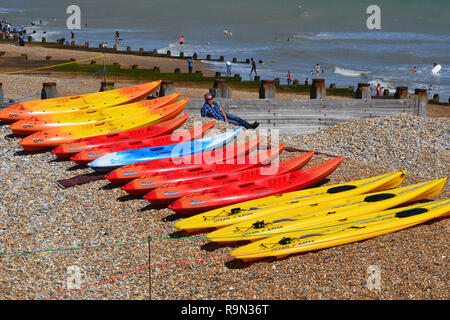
column 55, row 65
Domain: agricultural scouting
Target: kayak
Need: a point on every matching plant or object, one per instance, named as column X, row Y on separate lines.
column 51, row 138
column 239, row 212
column 231, row 154
column 121, row 158
column 103, row 99
column 143, row 185
column 69, row 149
column 225, row 181
column 85, row 157
column 255, row 189
column 295, row 219
column 92, row 115
column 357, row 228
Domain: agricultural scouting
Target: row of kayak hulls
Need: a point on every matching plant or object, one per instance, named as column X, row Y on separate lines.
column 235, row 198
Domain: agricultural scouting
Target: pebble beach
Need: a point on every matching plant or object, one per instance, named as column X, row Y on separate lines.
column 96, row 230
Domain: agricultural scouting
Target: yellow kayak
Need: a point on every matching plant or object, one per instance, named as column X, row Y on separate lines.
column 354, row 229
column 291, row 220
column 239, row 212
column 91, row 115
column 74, row 103
column 51, row 138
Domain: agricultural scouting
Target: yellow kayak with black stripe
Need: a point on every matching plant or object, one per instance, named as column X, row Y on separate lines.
column 239, row 212
column 356, row 228
column 290, row 220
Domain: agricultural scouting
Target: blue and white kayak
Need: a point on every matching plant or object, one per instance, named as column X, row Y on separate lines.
column 117, row 159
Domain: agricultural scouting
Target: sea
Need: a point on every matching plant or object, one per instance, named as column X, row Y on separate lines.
column 283, row 34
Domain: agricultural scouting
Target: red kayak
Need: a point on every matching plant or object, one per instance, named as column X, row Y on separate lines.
column 194, row 162
column 265, row 187
column 143, row 185
column 85, row 157
column 226, row 181
column 69, row 149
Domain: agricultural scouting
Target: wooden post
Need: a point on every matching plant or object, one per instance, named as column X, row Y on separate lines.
column 195, row 56
column 168, row 53
column 420, row 102
column 86, row 44
column 181, row 54
column 166, row 88
column 208, row 57
column 128, row 48
column 363, row 91
column 217, row 74
column 386, row 93
column 49, row 90
column 2, row 96
column 401, row 93
column 221, row 89
column 141, row 50
column 234, row 60
column 106, row 85
column 267, row 89
column 317, row 90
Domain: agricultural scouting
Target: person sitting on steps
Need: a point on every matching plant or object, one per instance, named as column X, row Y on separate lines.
column 213, row 110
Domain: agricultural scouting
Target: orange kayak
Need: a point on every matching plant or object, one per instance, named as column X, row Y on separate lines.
column 80, row 118
column 103, row 99
column 51, row 138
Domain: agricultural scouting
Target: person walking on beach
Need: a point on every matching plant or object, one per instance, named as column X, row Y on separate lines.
column 289, row 77
column 379, row 93
column 228, row 64
column 181, row 40
column 116, row 37
column 213, row 110
column 430, row 91
column 190, row 64
column 253, row 68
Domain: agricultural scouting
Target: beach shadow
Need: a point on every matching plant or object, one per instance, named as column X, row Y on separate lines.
column 152, row 207
column 76, row 167
column 111, row 186
column 13, row 136
column 173, row 217
column 184, row 234
column 56, row 160
column 128, row 197
column 28, row 153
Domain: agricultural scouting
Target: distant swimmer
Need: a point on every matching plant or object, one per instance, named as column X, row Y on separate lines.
column 208, row 43
column 436, row 68
column 413, row 69
column 227, row 33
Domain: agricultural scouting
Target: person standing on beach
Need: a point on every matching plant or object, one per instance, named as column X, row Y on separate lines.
column 289, row 77
column 190, row 64
column 379, row 93
column 228, row 64
column 72, row 36
column 116, row 37
column 430, row 91
column 213, row 110
column 181, row 40
column 317, row 70
column 253, row 68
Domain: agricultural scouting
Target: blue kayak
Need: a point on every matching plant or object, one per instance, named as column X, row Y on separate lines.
column 117, row 159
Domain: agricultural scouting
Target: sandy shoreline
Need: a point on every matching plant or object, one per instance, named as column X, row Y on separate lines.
column 103, row 233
